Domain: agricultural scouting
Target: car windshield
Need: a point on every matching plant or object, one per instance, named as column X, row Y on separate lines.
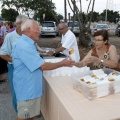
column 102, row 27
column 70, row 24
column 48, row 24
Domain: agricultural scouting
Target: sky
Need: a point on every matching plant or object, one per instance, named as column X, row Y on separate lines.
column 100, row 5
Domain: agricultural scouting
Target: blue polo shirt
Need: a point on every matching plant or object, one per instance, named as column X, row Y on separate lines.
column 27, row 77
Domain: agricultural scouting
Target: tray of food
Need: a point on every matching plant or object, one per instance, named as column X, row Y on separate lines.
column 97, row 83
column 44, row 54
column 45, row 50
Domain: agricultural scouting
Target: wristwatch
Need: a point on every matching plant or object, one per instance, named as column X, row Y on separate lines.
column 101, row 61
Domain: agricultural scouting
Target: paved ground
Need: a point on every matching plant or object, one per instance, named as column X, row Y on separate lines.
column 6, row 109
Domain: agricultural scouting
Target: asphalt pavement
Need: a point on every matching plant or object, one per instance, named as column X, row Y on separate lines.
column 6, row 108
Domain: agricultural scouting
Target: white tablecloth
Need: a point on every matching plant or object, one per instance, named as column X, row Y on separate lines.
column 62, row 102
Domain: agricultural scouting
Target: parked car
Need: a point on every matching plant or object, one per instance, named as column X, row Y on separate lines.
column 101, row 27
column 75, row 27
column 117, row 31
column 49, row 28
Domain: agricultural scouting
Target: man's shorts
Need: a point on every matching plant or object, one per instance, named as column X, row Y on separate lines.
column 29, row 108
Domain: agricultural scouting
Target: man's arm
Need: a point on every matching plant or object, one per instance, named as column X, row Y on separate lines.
column 50, row 66
column 58, row 50
column 6, row 57
column 6, row 49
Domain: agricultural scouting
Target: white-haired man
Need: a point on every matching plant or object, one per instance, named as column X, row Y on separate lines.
column 7, row 50
column 28, row 71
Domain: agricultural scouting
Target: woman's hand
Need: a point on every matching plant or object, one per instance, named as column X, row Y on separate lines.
column 92, row 59
column 80, row 64
column 67, row 62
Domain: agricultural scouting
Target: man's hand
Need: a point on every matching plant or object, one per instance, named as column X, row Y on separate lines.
column 67, row 62
column 50, row 53
column 6, row 57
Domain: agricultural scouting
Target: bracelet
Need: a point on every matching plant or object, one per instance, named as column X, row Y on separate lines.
column 102, row 61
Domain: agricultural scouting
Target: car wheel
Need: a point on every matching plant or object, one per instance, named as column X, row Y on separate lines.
column 41, row 36
column 118, row 34
column 58, row 34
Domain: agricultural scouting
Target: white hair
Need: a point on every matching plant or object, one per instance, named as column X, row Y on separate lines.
column 21, row 18
column 28, row 23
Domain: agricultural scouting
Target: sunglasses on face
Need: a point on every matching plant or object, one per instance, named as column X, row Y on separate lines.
column 61, row 28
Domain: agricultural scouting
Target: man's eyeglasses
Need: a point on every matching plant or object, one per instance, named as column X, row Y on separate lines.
column 61, row 28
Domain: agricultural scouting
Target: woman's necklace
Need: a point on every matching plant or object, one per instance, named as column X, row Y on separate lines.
column 101, row 52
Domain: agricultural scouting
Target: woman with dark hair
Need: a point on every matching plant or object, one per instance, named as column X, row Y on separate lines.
column 102, row 55
column 10, row 27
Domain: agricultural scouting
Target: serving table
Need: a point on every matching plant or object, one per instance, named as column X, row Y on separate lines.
column 62, row 102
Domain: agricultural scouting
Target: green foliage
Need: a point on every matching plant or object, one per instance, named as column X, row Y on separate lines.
column 111, row 15
column 95, row 17
column 34, row 8
column 9, row 14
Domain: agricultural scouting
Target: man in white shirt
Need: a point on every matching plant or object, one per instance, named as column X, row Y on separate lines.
column 68, row 42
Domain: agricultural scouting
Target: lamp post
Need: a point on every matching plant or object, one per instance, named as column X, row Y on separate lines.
column 69, row 16
column 65, row 9
column 106, row 12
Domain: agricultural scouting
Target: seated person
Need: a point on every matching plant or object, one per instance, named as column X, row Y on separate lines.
column 102, row 55
column 118, row 67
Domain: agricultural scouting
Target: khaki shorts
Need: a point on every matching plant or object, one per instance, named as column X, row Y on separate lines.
column 29, row 108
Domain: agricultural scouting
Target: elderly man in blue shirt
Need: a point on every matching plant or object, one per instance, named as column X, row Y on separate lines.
column 28, row 71
column 7, row 50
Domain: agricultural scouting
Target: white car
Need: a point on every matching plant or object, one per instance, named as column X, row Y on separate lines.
column 49, row 28
column 101, row 27
column 75, row 27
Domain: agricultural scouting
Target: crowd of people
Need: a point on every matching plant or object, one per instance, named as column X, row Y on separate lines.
column 25, row 66
column 27, row 31
column 4, row 29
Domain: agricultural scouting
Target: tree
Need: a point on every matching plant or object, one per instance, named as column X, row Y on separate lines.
column 94, row 17
column 33, row 7
column 84, row 36
column 59, row 17
column 111, row 15
column 9, row 14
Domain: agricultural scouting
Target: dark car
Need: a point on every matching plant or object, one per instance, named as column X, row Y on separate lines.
column 117, row 31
